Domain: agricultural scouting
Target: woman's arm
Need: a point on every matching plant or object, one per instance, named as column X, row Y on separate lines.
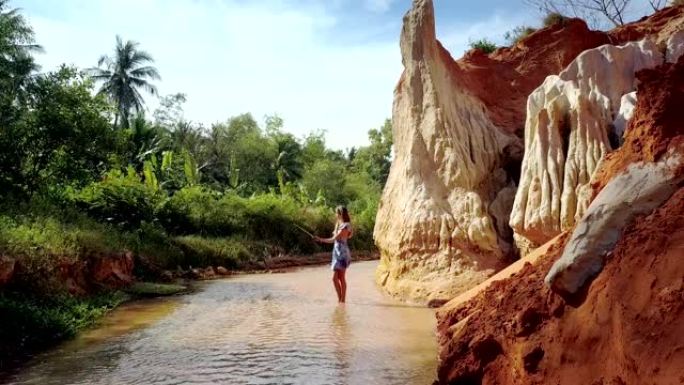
column 335, row 236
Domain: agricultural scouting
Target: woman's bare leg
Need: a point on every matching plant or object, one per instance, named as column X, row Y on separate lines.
column 336, row 283
column 343, row 285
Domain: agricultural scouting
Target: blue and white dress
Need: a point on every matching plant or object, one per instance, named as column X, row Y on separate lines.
column 341, row 255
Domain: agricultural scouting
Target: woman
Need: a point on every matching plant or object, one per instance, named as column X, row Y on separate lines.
column 341, row 256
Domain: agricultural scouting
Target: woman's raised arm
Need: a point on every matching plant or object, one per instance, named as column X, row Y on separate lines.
column 337, row 235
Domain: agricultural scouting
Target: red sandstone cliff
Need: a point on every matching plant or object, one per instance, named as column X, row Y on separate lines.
column 626, row 325
column 601, row 167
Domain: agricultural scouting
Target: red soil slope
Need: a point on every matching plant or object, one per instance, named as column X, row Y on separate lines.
column 629, row 330
column 628, row 327
column 657, row 125
column 658, row 24
column 504, row 79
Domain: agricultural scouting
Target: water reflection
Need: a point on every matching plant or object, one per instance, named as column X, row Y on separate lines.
column 261, row 329
column 341, row 338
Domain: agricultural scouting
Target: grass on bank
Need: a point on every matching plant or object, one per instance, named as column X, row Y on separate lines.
column 30, row 322
column 152, row 289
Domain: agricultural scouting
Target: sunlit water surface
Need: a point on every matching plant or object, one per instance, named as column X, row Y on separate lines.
column 257, row 329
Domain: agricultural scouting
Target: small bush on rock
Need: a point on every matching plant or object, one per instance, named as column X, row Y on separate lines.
column 483, row 45
column 518, row 33
column 554, row 18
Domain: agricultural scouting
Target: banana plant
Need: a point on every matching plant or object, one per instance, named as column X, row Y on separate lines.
column 190, row 169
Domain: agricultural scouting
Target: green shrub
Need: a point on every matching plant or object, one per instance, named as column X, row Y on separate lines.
column 518, row 33
column 326, row 178
column 201, row 252
column 483, row 45
column 187, row 211
column 364, row 211
column 34, row 236
column 267, row 218
column 271, row 218
column 554, row 18
column 120, row 199
column 226, row 217
column 155, row 250
column 41, row 241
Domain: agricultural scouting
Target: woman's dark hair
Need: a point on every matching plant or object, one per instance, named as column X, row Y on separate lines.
column 342, row 211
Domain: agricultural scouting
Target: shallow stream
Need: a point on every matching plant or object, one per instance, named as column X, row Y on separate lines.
column 255, row 329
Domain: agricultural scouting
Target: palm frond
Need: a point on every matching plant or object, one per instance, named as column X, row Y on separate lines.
column 141, row 83
column 141, row 57
column 104, row 60
column 98, row 73
column 146, row 72
column 137, row 102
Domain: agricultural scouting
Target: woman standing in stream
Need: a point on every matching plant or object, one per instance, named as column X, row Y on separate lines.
column 341, row 255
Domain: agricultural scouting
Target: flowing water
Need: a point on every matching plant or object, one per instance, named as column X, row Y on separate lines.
column 257, row 329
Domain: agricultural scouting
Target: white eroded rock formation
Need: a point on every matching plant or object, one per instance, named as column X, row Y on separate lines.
column 627, row 105
column 638, row 190
column 447, row 199
column 568, row 131
column 675, row 46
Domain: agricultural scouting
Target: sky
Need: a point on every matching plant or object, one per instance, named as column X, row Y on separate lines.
column 319, row 64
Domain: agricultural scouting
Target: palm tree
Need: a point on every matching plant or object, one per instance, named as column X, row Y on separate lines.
column 17, row 45
column 16, row 48
column 123, row 75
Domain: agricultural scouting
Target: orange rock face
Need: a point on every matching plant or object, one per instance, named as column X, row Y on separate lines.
column 504, row 79
column 657, row 124
column 627, row 326
column 522, row 68
column 82, row 276
column 628, row 330
column 112, row 270
column 663, row 23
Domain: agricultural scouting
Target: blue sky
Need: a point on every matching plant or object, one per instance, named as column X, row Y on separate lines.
column 319, row 64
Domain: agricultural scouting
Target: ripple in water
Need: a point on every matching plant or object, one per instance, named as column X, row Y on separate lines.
column 260, row 329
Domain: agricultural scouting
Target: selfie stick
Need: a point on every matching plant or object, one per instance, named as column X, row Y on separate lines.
column 304, row 230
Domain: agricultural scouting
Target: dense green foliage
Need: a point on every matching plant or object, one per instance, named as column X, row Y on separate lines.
column 84, row 171
column 483, row 45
